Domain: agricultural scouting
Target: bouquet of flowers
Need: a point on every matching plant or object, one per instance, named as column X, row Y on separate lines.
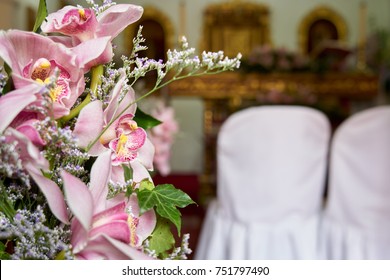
column 266, row 59
column 75, row 151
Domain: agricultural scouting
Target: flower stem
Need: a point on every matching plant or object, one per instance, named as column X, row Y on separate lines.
column 96, row 80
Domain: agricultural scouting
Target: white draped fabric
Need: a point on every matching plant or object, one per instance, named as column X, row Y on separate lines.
column 357, row 214
column 271, row 177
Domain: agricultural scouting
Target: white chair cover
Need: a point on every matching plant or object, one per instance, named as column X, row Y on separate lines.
column 271, row 177
column 357, row 214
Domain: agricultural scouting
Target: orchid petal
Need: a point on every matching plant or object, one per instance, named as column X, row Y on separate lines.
column 101, row 217
column 146, row 154
column 147, row 222
column 104, row 247
column 28, row 129
column 129, row 251
column 139, row 171
column 109, row 134
column 79, row 238
column 117, row 174
column 14, row 102
column 119, row 198
column 59, row 110
column 100, row 174
column 79, row 199
column 26, row 149
column 116, row 108
column 136, row 139
column 116, row 18
column 52, row 193
column 118, row 230
column 66, row 41
column 89, row 125
column 94, row 52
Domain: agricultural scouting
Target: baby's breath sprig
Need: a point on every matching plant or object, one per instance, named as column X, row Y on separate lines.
column 108, row 82
column 184, row 63
column 10, row 162
column 61, row 150
column 182, row 252
column 98, row 9
column 115, row 188
column 34, row 240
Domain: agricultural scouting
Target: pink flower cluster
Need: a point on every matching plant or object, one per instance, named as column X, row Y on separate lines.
column 268, row 59
column 162, row 137
column 48, row 78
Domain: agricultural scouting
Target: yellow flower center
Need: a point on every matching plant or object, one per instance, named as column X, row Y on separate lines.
column 54, row 92
column 132, row 222
column 133, row 126
column 82, row 14
column 41, row 69
column 120, row 148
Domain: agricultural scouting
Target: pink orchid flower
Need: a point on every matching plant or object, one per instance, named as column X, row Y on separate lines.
column 34, row 59
column 127, row 142
column 141, row 226
column 79, row 23
column 82, row 26
column 13, row 103
column 103, row 230
column 25, row 123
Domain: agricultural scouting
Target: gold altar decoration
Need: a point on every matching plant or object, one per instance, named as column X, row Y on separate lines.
column 246, row 86
column 235, row 27
column 226, row 93
column 326, row 19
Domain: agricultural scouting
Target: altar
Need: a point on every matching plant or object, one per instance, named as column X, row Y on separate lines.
column 226, row 93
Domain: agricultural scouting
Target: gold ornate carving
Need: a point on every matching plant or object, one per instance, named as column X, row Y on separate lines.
column 235, row 26
column 233, row 85
column 153, row 14
column 321, row 13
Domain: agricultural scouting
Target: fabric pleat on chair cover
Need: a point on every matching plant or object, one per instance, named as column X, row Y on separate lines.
column 356, row 222
column 271, row 163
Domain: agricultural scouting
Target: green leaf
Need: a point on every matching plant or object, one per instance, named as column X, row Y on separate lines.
column 162, row 238
column 60, row 255
column 10, row 84
column 6, row 206
column 146, row 184
column 128, row 172
column 144, row 120
column 166, row 198
column 3, row 254
column 41, row 15
column 129, row 191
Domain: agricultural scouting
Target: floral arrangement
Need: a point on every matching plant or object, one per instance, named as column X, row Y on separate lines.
column 75, row 148
column 299, row 95
column 266, row 59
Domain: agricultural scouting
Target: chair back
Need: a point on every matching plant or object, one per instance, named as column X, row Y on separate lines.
column 271, row 177
column 272, row 163
column 357, row 214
